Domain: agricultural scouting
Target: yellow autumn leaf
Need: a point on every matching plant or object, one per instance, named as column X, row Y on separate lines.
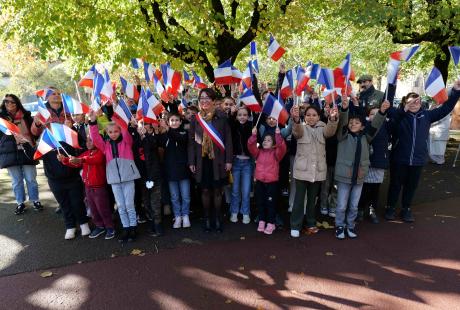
column 136, row 252
column 329, row 254
column 228, row 301
column 46, row 274
column 272, row 256
column 241, row 268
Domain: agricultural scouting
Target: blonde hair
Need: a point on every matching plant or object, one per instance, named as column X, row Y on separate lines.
column 111, row 124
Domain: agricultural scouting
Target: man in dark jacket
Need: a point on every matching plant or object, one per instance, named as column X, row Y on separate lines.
column 368, row 96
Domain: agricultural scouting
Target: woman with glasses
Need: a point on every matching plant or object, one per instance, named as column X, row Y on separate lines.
column 410, row 129
column 210, row 154
column 16, row 153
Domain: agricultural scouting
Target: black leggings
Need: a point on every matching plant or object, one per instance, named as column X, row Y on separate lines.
column 216, row 195
column 369, row 196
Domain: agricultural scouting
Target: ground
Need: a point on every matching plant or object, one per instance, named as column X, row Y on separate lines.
column 390, row 266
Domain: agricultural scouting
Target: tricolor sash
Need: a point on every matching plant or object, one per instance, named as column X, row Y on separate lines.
column 211, row 132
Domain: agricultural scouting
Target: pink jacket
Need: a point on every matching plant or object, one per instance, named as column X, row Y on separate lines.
column 267, row 161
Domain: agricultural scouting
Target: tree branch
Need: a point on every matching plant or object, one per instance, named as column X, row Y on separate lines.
column 219, row 13
column 234, row 5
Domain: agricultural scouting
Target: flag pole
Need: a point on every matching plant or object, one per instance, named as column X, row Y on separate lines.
column 258, row 119
column 78, row 91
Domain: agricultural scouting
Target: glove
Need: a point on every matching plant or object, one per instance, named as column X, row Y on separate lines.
column 149, row 184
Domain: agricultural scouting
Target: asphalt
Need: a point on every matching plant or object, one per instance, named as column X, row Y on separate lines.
column 390, row 266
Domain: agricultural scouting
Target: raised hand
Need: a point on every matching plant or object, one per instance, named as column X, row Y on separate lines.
column 254, row 130
column 345, row 103
column 333, row 113
column 295, row 113
column 385, row 106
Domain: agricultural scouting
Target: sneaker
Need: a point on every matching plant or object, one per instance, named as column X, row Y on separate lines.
column 186, row 221
column 351, row 233
column 290, row 209
column 167, row 210
column 295, row 233
column 246, row 219
column 261, row 227
column 406, row 215
column 70, row 233
column 390, row 213
column 285, row 192
column 96, row 232
column 340, row 233
column 234, row 218
column 20, row 209
column 312, row 230
column 269, row 229
column 141, row 219
column 124, row 235
column 38, row 206
column 323, row 210
column 85, row 231
column 331, row 212
column 373, row 216
column 177, row 222
column 110, row 234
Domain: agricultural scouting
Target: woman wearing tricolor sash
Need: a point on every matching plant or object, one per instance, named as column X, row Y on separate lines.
column 210, row 155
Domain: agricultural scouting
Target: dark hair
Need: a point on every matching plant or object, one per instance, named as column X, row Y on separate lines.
column 271, row 135
column 313, row 107
column 243, row 107
column 208, row 91
column 15, row 98
column 408, row 96
column 231, row 98
column 193, row 108
column 174, row 114
column 359, row 116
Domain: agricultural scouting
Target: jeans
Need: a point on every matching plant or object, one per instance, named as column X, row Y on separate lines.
column 97, row 199
column 404, row 176
column 241, row 188
column 18, row 175
column 347, row 195
column 124, row 196
column 266, row 198
column 302, row 188
column 180, row 197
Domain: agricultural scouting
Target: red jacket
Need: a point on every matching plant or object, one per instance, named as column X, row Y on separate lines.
column 93, row 162
column 267, row 161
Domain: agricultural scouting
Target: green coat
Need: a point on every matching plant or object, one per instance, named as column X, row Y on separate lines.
column 347, row 148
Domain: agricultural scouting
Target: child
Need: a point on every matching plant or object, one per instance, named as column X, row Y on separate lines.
column 121, row 172
column 267, row 175
column 174, row 141
column 410, row 148
column 97, row 196
column 310, row 164
column 242, row 165
column 352, row 165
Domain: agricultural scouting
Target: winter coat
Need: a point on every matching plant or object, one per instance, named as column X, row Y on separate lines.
column 118, row 154
column 267, row 160
column 411, row 132
column 195, row 138
column 151, row 163
column 240, row 136
column 174, row 141
column 370, row 98
column 93, row 163
column 12, row 154
column 346, row 150
column 310, row 160
column 379, row 152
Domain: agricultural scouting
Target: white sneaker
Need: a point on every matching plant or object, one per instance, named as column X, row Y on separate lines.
column 290, row 209
column 70, row 233
column 234, row 218
column 186, row 221
column 295, row 233
column 177, row 222
column 246, row 219
column 85, row 231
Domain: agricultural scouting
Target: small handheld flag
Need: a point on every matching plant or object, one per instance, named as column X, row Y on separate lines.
column 435, row 87
column 250, row 101
column 47, row 143
column 8, row 128
column 62, row 133
column 275, row 51
column 455, row 53
column 223, row 73
column 197, row 81
column 273, row 108
column 43, row 113
column 287, row 86
column 129, row 89
column 122, row 115
column 44, row 93
column 88, row 79
column 73, row 106
column 137, row 63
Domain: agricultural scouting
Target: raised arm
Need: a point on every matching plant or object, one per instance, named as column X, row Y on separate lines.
column 441, row 112
column 252, row 144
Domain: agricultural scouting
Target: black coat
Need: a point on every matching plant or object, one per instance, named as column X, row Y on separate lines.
column 174, row 141
column 10, row 153
column 151, row 164
column 240, row 136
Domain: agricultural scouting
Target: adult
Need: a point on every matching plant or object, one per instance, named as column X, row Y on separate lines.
column 368, row 96
column 16, row 153
column 65, row 182
column 209, row 163
column 439, row 135
column 411, row 127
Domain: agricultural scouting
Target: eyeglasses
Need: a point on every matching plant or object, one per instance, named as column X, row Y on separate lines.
column 6, row 101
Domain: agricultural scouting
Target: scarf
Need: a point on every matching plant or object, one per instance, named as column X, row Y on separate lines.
column 18, row 120
column 207, row 146
column 357, row 161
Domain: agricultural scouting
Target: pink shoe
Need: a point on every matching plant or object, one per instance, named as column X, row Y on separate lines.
column 261, row 227
column 269, row 229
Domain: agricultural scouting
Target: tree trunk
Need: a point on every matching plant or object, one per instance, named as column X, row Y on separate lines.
column 441, row 62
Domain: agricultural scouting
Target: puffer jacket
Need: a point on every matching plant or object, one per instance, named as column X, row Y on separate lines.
column 267, row 161
column 93, row 163
column 310, row 160
column 118, row 154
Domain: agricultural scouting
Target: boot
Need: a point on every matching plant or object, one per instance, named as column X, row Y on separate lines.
column 124, row 235
column 207, row 225
column 132, row 234
column 219, row 228
column 390, row 213
column 406, row 215
column 159, row 229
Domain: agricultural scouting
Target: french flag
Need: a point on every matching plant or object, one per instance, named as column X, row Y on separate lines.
column 247, row 76
column 197, row 81
column 275, row 51
column 236, row 75
column 88, row 79
column 8, row 128
column 149, row 72
column 171, row 79
column 273, row 108
column 314, row 71
column 255, row 66
column 154, row 103
column 146, row 110
column 302, row 81
column 62, row 133
column 122, row 115
column 159, row 88
column 130, row 90
column 435, row 87
column 250, row 101
column 345, row 66
column 212, row 132
column 326, row 78
column 330, row 95
column 73, row 106
column 47, row 143
column 107, row 91
column 455, row 53
column 98, row 84
column 223, row 74
column 405, row 54
column 254, row 63
column 142, row 98
column 137, row 63
column 393, row 70
column 43, row 113
column 287, row 86
column 253, row 49
column 182, row 106
column 44, row 93
column 187, row 78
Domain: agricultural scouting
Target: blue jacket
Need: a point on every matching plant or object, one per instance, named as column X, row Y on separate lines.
column 411, row 131
column 379, row 153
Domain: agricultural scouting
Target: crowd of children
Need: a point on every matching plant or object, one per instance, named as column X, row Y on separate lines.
column 338, row 155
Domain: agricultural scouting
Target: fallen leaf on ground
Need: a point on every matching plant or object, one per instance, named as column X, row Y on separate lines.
column 242, row 238
column 136, row 252
column 241, row 268
column 19, row 220
column 190, row 241
column 272, row 256
column 228, row 301
column 437, row 171
column 329, row 254
column 326, row 225
column 46, row 274
column 113, row 255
